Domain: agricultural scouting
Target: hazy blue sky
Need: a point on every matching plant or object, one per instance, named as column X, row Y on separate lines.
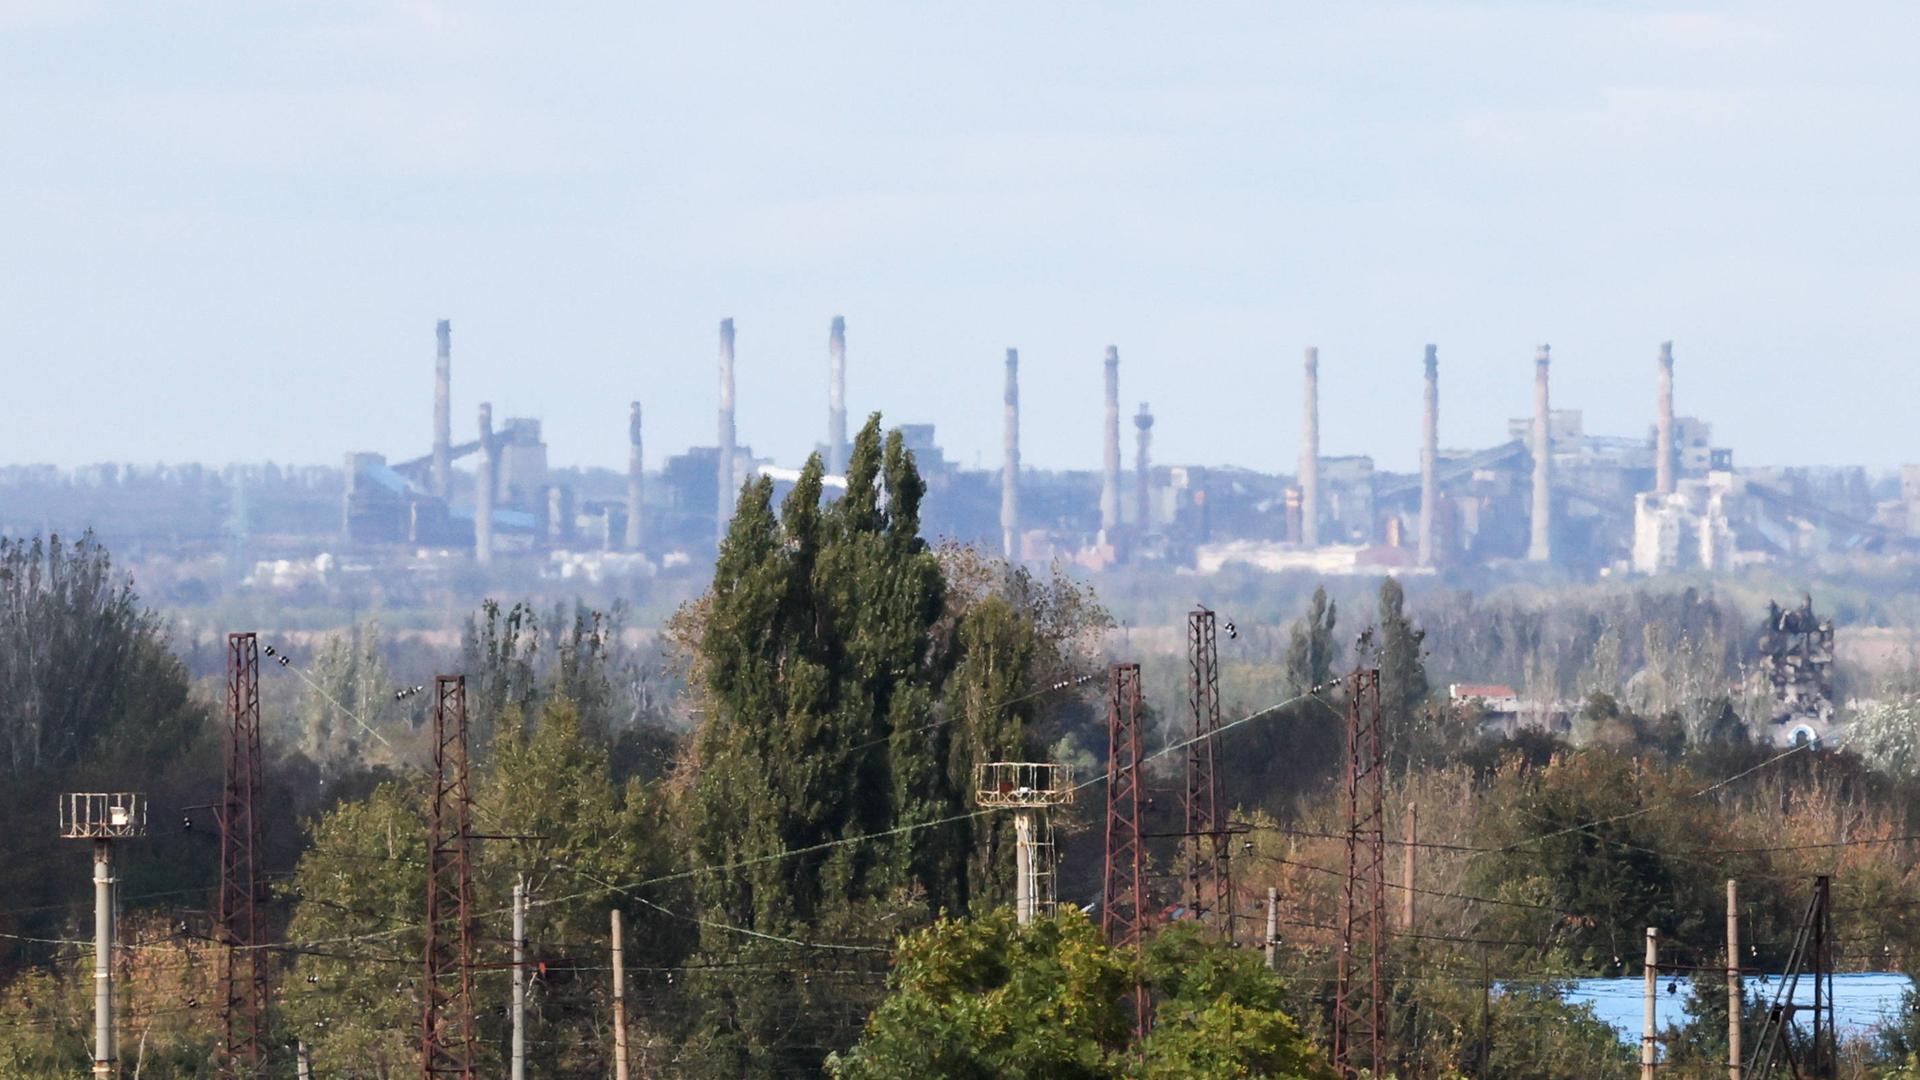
column 226, row 229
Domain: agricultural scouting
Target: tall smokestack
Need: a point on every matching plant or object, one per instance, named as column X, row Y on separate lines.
column 1143, row 470
column 723, row 511
column 1540, row 545
column 1663, row 455
column 837, row 397
column 1310, row 456
column 1010, row 470
column 636, row 479
column 484, row 482
column 1429, row 456
column 442, row 406
column 1110, row 483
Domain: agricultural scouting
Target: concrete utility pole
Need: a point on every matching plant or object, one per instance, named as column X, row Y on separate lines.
column 303, row 1061
column 1310, row 456
column 1736, row 997
column 103, row 818
column 442, row 406
column 619, row 1003
column 519, row 1067
column 636, row 481
column 1110, row 447
column 1540, row 545
column 1429, row 456
column 1273, row 929
column 723, row 510
column 837, row 397
column 1649, row 1047
column 1010, row 467
column 1663, row 456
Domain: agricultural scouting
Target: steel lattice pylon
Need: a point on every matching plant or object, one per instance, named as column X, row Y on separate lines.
column 446, row 1020
column 1816, row 1058
column 244, row 962
column 1359, row 1008
column 1123, row 907
column 1209, row 852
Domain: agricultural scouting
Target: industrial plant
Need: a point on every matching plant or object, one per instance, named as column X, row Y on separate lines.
column 1554, row 495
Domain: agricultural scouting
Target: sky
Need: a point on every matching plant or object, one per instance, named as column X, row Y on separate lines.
column 227, row 229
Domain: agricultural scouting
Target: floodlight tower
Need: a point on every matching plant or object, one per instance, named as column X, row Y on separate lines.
column 1029, row 789
column 103, row 817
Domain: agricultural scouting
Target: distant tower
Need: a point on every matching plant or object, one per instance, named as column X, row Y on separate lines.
column 1143, row 470
column 1429, row 456
column 1110, row 444
column 486, row 484
column 837, row 397
column 1310, row 455
column 636, row 480
column 1010, row 468
column 1663, row 454
column 1540, row 545
column 442, row 407
column 723, row 511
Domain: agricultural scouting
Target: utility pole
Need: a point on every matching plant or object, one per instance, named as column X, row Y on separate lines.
column 103, row 818
column 519, row 1066
column 1648, row 1033
column 619, row 1003
column 447, row 1013
column 303, row 1061
column 244, row 963
column 1406, row 867
column 1123, row 908
column 1273, row 929
column 1208, row 852
column 1736, row 999
column 1359, row 1008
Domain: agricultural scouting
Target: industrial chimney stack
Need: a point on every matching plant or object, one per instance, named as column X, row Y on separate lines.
column 442, row 406
column 1429, row 456
column 1540, row 545
column 1663, row 451
column 1310, row 456
column 837, row 397
column 1110, row 483
column 723, row 510
column 636, row 479
column 1010, row 469
column 485, row 482
column 1143, row 470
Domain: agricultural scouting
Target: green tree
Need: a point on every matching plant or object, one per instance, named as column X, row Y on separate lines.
column 1312, row 651
column 986, row 998
column 1409, row 727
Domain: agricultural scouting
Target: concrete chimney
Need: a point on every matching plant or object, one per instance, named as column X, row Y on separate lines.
column 485, row 480
column 1110, row 441
column 442, row 406
column 1429, row 456
column 837, row 397
column 1310, row 456
column 636, row 479
column 1143, row 470
column 723, row 511
column 1010, row 470
column 1540, row 545
column 1664, row 463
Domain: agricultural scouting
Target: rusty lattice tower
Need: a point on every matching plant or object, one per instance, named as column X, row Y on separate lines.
column 447, row 1003
column 1359, row 1008
column 244, row 961
column 1209, row 853
column 1123, row 907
